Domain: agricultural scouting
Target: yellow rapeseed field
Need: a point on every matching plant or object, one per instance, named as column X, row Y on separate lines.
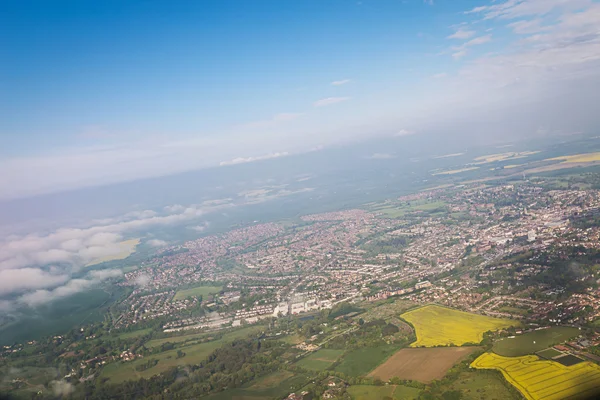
column 544, row 379
column 441, row 326
column 578, row 158
column 504, row 156
column 455, row 171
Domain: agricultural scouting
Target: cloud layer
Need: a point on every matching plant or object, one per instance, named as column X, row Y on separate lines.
column 38, row 268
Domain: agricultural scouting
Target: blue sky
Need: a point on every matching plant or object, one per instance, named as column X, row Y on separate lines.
column 112, row 86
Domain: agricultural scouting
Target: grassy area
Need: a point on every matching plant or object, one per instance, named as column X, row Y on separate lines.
column 477, row 385
column 320, row 359
column 531, row 342
column 134, row 334
column 194, row 353
column 399, row 210
column 396, row 392
column 548, row 354
column 362, row 361
column 273, row 386
column 229, row 336
column 292, row 339
column 441, row 326
column 203, row 291
column 543, row 379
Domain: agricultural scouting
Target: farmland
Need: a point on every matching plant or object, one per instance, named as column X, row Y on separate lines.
column 455, row 171
column 395, row 392
column 203, row 291
column 543, row 379
column 320, row 360
column 478, row 384
column 579, row 158
column 531, row 342
column 440, row 326
column 275, row 385
column 362, row 361
column 504, row 156
column 423, row 365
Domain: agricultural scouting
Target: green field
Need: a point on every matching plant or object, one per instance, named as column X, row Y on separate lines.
column 532, row 342
column 273, row 386
column 396, row 392
column 134, row 334
column 549, row 354
column 320, row 359
column 400, row 210
column 194, row 353
column 229, row 336
column 34, row 376
column 360, row 362
column 197, row 291
column 477, row 385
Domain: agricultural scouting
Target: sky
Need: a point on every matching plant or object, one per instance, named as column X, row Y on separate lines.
column 93, row 93
column 96, row 93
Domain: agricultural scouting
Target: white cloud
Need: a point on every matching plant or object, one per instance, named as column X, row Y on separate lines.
column 68, row 249
column 512, row 9
column 381, row 156
column 404, row 132
column 440, row 75
column 157, row 243
column 340, row 82
column 329, row 101
column 18, row 280
column 459, row 54
column 478, row 41
column 528, row 26
column 44, row 296
column 103, row 274
column 241, row 160
column 61, row 388
column 462, row 51
column 462, row 34
column 200, row 228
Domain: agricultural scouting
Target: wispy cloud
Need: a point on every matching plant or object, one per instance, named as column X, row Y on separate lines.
column 404, row 132
column 381, row 156
column 525, row 27
column 274, row 121
column 462, row 50
column 241, row 160
column 340, row 82
column 513, row 9
column 157, row 243
column 440, row 75
column 329, row 101
column 462, row 34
